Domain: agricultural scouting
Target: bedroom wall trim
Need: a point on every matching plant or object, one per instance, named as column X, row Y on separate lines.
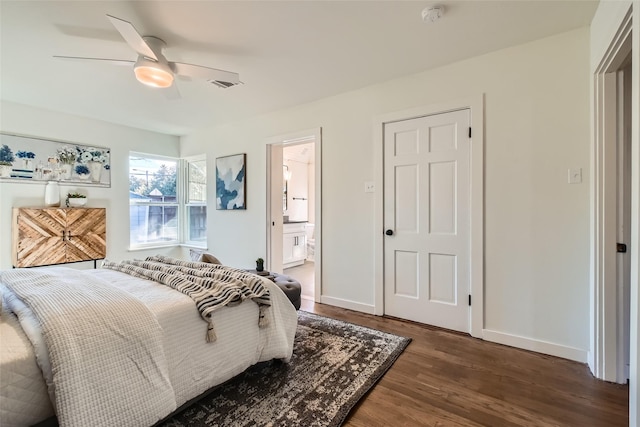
column 348, row 304
column 603, row 358
column 476, row 104
column 611, row 21
column 538, row 346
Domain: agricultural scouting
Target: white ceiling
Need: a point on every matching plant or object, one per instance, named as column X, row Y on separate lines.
column 302, row 153
column 287, row 53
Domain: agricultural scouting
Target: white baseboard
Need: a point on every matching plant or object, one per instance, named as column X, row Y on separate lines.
column 348, row 304
column 591, row 362
column 516, row 341
column 544, row 347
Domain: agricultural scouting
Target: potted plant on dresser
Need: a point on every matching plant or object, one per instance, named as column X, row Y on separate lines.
column 76, row 200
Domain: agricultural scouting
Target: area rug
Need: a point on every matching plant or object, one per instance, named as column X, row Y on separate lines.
column 333, row 366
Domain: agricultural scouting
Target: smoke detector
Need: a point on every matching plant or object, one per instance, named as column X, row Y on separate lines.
column 432, row 13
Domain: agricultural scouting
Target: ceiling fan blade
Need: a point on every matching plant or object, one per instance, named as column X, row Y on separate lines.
column 111, row 61
column 132, row 37
column 220, row 78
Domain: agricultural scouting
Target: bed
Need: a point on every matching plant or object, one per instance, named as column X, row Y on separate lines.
column 29, row 379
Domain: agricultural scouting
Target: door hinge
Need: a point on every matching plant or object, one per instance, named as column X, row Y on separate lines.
column 621, row 248
column 469, row 132
column 469, row 300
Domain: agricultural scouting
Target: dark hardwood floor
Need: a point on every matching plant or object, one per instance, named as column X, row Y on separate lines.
column 444, row 378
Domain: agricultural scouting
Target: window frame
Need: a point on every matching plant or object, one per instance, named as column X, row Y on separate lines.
column 186, row 203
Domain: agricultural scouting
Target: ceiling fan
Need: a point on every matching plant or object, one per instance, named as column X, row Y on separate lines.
column 152, row 68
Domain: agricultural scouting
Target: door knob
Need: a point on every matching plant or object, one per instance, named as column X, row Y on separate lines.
column 389, row 232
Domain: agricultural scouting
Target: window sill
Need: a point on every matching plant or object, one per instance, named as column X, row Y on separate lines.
column 194, row 246
column 144, row 248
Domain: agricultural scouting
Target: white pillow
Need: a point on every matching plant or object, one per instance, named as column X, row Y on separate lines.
column 195, row 254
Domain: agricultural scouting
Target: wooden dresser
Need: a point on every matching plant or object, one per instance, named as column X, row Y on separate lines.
column 46, row 236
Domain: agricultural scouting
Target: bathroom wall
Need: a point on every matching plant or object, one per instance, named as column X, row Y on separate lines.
column 298, row 158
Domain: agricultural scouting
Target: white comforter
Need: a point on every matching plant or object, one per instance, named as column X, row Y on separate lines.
column 194, row 365
column 23, row 394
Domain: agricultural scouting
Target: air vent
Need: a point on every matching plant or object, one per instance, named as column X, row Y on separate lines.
column 221, row 83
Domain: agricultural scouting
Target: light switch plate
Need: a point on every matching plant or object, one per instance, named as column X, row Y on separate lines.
column 575, row 176
column 369, row 187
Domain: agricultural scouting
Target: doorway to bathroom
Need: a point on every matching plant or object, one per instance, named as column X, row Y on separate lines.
column 298, row 200
column 294, row 209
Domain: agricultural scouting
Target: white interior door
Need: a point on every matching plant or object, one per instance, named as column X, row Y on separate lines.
column 427, row 220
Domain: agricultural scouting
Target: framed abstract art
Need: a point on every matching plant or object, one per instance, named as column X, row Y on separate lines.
column 231, row 183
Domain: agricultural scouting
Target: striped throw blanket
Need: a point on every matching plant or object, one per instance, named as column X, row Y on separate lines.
column 211, row 286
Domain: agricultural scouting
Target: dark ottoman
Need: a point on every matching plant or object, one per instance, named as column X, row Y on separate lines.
column 291, row 288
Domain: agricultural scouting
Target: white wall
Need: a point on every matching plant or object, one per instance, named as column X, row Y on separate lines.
column 302, row 183
column 537, row 235
column 21, row 119
column 297, row 188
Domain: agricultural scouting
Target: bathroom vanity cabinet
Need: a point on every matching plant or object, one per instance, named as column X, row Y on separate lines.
column 294, row 244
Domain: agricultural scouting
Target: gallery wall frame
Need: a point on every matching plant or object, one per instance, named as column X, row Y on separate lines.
column 231, row 182
column 38, row 160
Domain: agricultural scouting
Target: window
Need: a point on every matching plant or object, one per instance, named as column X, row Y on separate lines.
column 155, row 206
column 196, row 202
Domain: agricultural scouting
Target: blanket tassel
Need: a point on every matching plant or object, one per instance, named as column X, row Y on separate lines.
column 263, row 320
column 211, row 333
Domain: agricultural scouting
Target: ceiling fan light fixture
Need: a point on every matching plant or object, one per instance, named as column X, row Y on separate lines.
column 153, row 74
column 152, row 68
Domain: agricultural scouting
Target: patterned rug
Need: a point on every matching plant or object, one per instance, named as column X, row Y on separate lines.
column 334, row 364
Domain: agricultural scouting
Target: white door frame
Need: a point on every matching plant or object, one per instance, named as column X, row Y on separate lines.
column 476, row 276
column 623, row 212
column 314, row 135
column 604, row 358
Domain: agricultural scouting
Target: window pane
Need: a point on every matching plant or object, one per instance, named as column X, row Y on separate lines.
column 152, row 180
column 153, row 224
column 197, row 228
column 153, row 201
column 197, row 181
